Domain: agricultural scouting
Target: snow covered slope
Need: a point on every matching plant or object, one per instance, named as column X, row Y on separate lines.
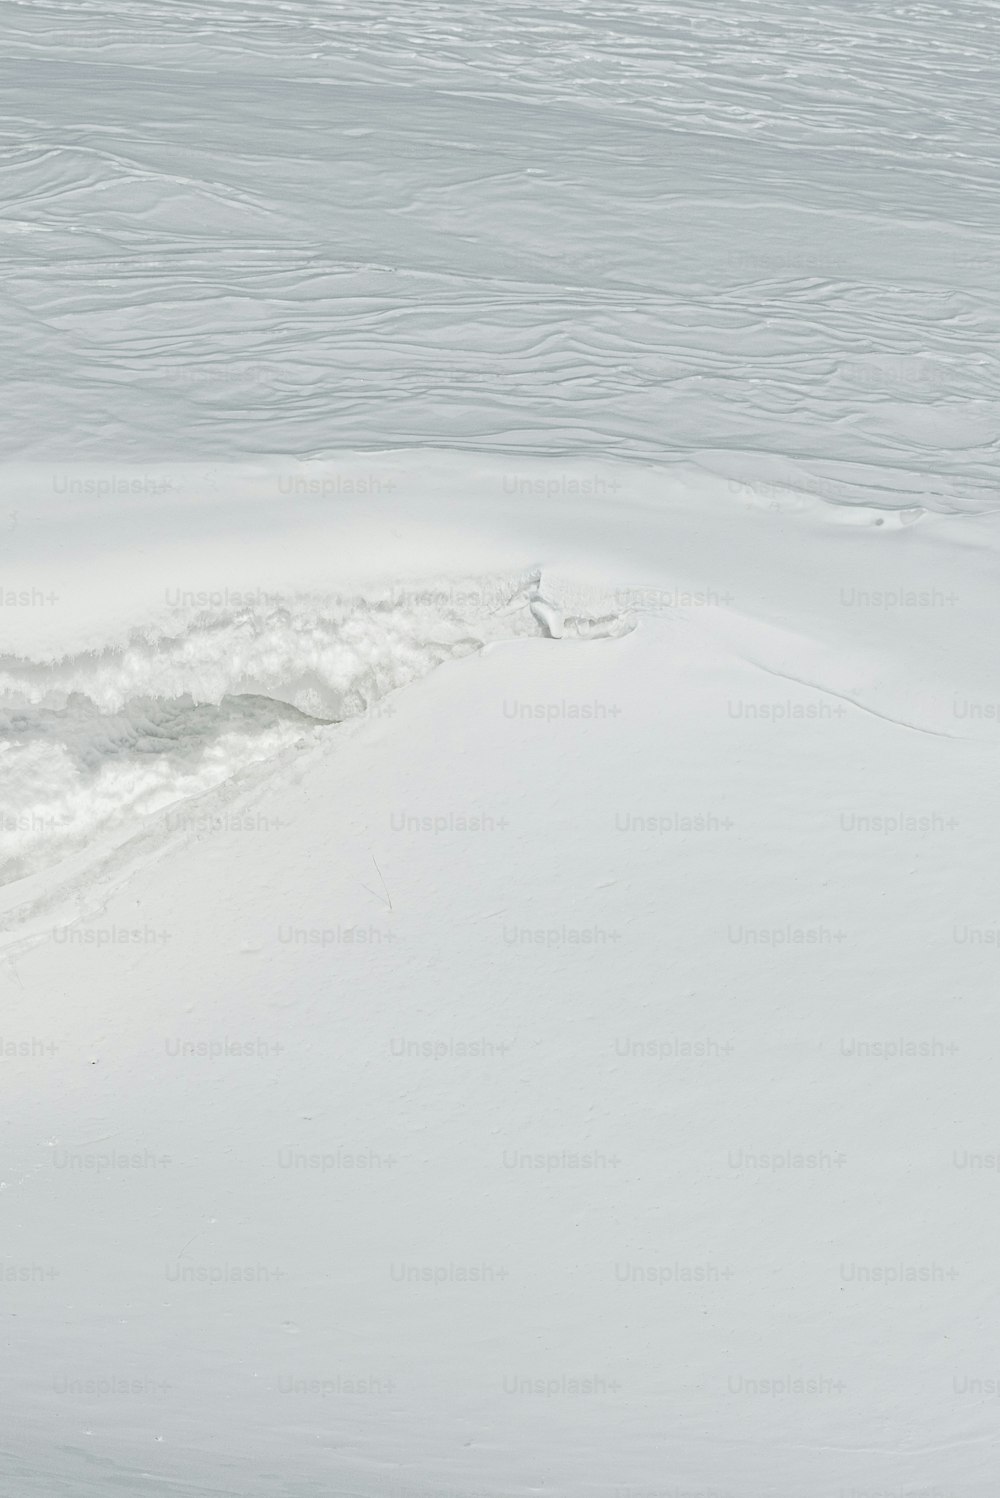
column 498, row 728
column 758, row 234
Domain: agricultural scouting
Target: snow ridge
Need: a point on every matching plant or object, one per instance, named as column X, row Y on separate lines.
column 95, row 743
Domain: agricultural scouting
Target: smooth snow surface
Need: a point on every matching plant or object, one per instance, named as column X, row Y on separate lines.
column 499, row 716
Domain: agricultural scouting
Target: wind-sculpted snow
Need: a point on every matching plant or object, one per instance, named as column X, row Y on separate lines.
column 498, row 729
column 621, row 228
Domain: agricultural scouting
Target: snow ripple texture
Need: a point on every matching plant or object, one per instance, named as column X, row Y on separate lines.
column 647, row 231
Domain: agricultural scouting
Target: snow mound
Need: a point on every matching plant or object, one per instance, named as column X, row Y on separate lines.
column 94, row 744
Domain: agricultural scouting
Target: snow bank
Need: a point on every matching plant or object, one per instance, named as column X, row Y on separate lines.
column 545, row 1077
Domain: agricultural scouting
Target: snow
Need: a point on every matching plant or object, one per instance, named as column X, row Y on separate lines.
column 498, row 707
